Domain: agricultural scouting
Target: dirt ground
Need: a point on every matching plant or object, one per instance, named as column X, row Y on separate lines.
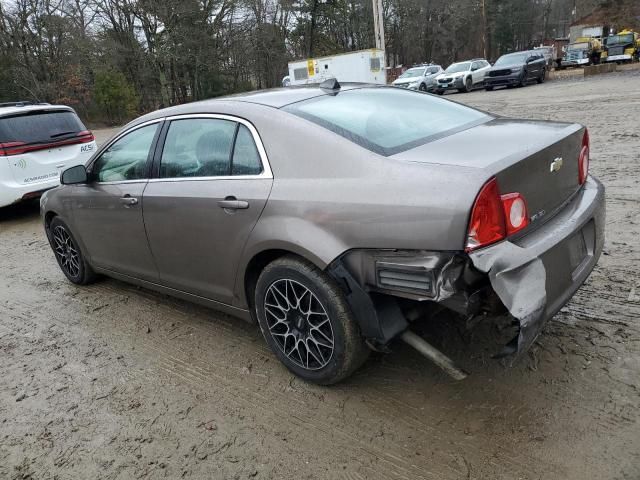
column 111, row 381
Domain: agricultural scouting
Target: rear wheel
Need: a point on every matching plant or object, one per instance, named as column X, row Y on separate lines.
column 306, row 321
column 488, row 89
column 68, row 254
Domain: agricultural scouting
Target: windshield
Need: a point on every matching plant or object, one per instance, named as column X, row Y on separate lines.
column 458, row 67
column 412, row 72
column 387, row 120
column 615, row 39
column 40, row 126
column 579, row 46
column 511, row 59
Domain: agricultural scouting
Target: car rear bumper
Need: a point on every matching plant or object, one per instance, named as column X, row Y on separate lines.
column 13, row 192
column 538, row 274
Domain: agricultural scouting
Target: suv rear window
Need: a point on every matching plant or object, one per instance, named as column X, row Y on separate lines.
column 39, row 126
column 387, row 120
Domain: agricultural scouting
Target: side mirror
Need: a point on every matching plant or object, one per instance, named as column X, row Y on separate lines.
column 473, row 69
column 74, row 175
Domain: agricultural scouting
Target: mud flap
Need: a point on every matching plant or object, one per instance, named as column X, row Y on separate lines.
column 519, row 280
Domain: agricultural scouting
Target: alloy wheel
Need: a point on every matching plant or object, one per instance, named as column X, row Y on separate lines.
column 299, row 324
column 66, row 251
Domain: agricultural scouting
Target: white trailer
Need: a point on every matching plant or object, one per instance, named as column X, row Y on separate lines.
column 361, row 66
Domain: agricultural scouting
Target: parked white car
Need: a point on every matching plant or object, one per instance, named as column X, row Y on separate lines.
column 462, row 76
column 421, row 77
column 38, row 142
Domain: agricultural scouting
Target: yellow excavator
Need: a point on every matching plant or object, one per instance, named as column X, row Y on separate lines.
column 624, row 46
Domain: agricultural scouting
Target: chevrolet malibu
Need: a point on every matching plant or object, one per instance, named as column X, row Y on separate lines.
column 338, row 217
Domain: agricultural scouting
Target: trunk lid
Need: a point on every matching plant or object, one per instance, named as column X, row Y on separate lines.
column 537, row 159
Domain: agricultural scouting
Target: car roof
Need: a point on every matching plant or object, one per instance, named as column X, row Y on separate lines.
column 273, row 97
column 13, row 109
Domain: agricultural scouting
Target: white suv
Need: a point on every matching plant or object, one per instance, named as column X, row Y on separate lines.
column 38, row 142
column 462, row 76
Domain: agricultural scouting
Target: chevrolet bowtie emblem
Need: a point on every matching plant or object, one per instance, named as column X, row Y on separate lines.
column 555, row 165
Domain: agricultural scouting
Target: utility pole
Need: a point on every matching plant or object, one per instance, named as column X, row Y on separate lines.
column 378, row 29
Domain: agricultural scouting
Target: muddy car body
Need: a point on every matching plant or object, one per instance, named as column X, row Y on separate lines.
column 357, row 207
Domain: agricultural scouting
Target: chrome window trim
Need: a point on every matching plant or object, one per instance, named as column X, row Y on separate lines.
column 114, row 140
column 266, row 173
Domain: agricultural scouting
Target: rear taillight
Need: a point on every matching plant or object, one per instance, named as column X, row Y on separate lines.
column 583, row 159
column 85, row 136
column 495, row 216
column 18, row 148
column 515, row 212
column 487, row 218
column 11, row 148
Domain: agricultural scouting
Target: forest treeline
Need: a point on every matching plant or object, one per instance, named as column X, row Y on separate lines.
column 112, row 59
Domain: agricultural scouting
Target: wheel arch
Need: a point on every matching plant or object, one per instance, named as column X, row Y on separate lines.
column 248, row 276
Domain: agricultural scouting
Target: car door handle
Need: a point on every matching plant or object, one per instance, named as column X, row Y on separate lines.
column 232, row 203
column 128, row 201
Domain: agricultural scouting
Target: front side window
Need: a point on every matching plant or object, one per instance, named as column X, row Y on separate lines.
column 198, row 147
column 126, row 159
column 387, row 120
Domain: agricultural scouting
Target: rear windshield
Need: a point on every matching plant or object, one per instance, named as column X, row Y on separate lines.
column 39, row 126
column 387, row 120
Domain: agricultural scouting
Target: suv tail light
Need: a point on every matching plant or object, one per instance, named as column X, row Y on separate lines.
column 495, row 216
column 583, row 159
column 17, row 148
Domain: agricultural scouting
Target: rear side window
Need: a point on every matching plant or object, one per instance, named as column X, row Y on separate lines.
column 198, row 147
column 387, row 120
column 208, row 147
column 246, row 160
column 39, row 126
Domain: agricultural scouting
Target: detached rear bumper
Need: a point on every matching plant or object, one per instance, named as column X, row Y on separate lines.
column 535, row 276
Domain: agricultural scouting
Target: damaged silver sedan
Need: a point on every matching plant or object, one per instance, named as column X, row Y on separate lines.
column 338, row 217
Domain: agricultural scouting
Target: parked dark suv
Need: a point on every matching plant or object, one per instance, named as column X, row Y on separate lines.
column 516, row 69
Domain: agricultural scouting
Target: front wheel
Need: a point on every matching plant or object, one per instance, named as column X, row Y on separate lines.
column 541, row 78
column 488, row 89
column 422, row 87
column 523, row 79
column 468, row 85
column 307, row 323
column 68, row 254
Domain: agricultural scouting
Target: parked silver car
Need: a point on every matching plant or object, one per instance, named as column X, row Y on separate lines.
column 336, row 217
column 421, row 77
column 462, row 76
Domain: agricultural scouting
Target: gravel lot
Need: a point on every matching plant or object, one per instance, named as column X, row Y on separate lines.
column 111, row 381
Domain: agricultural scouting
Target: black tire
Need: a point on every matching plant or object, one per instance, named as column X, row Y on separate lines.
column 488, row 89
column 541, row 78
column 523, row 79
column 440, row 92
column 68, row 254
column 290, row 282
column 468, row 84
column 422, row 87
